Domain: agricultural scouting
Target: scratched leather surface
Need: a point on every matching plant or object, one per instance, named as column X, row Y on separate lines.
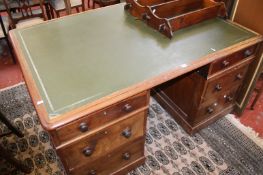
column 81, row 58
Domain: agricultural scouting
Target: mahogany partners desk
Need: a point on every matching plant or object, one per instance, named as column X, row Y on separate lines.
column 89, row 76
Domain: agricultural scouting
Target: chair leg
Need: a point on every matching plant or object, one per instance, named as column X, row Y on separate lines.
column 7, row 41
column 88, row 3
column 52, row 12
column 83, row 6
column 93, row 5
column 77, row 8
column 57, row 14
column 47, row 11
column 10, row 125
column 259, row 92
column 7, row 155
column 11, row 50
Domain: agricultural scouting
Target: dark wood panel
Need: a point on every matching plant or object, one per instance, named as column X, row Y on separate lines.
column 179, row 116
column 185, row 91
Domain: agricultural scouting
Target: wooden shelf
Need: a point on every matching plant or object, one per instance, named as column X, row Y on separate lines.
column 167, row 16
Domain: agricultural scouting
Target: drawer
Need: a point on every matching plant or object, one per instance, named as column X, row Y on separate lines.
column 98, row 144
column 210, row 109
column 231, row 59
column 114, row 160
column 224, row 82
column 98, row 119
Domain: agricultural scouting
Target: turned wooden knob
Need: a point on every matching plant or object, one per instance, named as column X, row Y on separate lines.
column 92, row 172
column 229, row 98
column 126, row 156
column 210, row 110
column 127, row 133
column 239, row 76
column 225, row 63
column 247, row 53
column 218, row 87
column 88, row 151
column 127, row 108
column 83, row 127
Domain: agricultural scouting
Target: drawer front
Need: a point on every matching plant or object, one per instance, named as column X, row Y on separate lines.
column 98, row 119
column 114, row 160
column 225, row 100
column 225, row 82
column 98, row 144
column 232, row 59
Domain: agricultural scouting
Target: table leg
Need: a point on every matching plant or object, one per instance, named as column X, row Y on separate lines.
column 48, row 11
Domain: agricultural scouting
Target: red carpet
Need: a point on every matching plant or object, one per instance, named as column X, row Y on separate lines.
column 254, row 118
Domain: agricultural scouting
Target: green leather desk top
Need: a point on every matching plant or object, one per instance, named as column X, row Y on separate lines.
column 81, row 58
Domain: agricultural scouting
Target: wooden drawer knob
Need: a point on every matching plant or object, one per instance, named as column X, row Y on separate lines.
column 83, row 127
column 210, row 110
column 218, row 87
column 126, row 156
column 127, row 108
column 88, row 151
column 239, row 76
column 127, row 133
column 225, row 63
column 92, row 172
column 248, row 52
column 229, row 98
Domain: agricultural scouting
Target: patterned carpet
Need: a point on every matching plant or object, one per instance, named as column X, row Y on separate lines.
column 219, row 149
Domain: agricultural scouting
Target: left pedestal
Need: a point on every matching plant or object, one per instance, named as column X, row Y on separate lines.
column 108, row 141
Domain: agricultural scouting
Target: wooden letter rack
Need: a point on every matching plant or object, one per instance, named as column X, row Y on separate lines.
column 167, row 16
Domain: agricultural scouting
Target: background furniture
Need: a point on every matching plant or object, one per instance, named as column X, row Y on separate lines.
column 3, row 34
column 25, row 15
column 249, row 14
column 103, row 3
column 12, row 5
column 7, row 155
column 57, row 6
column 97, row 97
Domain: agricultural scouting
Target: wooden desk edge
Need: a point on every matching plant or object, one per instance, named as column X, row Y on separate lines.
column 55, row 122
